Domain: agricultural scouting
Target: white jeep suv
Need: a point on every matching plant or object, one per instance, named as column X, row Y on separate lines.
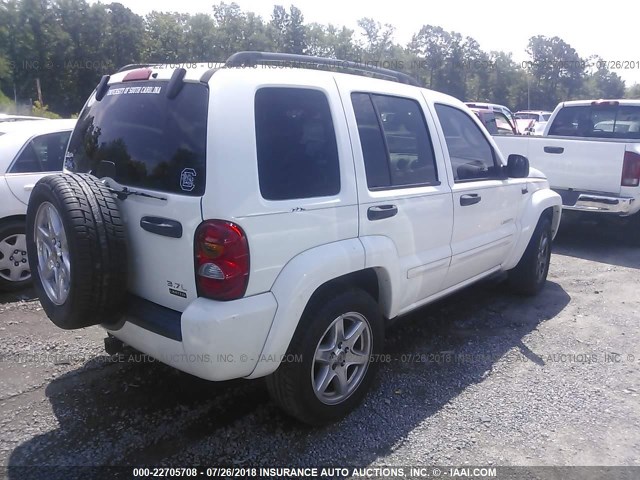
column 266, row 218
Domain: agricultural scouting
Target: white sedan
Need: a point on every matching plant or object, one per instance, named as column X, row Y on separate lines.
column 28, row 150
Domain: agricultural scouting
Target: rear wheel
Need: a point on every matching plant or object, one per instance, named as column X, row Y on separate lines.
column 329, row 367
column 14, row 264
column 76, row 248
column 530, row 275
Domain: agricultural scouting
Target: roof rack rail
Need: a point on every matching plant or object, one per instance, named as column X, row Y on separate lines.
column 132, row 66
column 241, row 59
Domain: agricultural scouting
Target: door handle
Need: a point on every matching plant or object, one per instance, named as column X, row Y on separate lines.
column 162, row 226
column 553, row 149
column 380, row 212
column 28, row 188
column 470, row 199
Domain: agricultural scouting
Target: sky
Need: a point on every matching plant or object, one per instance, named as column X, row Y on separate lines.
column 505, row 25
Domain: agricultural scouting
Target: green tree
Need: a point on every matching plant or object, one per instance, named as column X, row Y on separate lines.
column 633, row 91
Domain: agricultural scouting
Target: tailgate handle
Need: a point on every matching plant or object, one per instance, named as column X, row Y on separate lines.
column 162, row 226
column 381, row 211
column 471, row 199
column 553, row 149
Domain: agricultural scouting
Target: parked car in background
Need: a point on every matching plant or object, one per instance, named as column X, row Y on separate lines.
column 28, row 150
column 17, row 118
column 496, row 122
column 590, row 152
column 275, row 219
column 532, row 122
column 494, row 107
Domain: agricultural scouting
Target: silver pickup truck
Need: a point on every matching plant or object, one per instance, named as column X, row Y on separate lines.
column 590, row 152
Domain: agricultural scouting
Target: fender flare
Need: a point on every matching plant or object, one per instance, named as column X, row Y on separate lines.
column 541, row 200
column 293, row 288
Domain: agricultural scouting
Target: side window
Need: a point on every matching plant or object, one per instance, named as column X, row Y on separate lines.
column 395, row 141
column 296, row 144
column 472, row 157
column 44, row 153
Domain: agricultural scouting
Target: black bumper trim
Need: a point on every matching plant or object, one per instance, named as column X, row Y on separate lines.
column 152, row 317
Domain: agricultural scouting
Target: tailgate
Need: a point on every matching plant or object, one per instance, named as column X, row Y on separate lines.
column 587, row 165
column 150, row 146
column 162, row 265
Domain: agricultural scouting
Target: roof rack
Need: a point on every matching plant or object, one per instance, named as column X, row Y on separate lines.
column 242, row 59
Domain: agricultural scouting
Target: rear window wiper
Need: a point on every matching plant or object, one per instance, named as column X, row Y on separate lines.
column 126, row 192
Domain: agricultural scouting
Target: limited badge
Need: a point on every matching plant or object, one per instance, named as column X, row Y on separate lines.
column 188, row 179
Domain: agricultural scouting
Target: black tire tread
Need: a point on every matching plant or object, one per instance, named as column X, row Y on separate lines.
column 95, row 231
column 282, row 384
column 521, row 278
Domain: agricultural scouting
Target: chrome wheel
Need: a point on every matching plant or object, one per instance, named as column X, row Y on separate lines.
column 14, row 265
column 543, row 256
column 53, row 253
column 341, row 358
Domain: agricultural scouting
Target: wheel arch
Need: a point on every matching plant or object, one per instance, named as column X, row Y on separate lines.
column 335, row 267
column 14, row 218
column 544, row 202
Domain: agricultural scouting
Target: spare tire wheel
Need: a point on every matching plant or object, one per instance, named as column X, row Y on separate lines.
column 77, row 250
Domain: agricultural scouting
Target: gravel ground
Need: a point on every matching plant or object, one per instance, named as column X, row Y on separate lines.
column 480, row 378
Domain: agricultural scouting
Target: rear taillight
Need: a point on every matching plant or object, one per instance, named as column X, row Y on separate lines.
column 631, row 170
column 221, row 260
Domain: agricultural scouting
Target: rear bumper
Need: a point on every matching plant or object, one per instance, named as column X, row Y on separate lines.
column 598, row 202
column 211, row 340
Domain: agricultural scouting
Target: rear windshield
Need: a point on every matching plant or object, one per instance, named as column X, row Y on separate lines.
column 140, row 138
column 599, row 121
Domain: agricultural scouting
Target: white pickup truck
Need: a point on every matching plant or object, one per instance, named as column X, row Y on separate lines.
column 590, row 152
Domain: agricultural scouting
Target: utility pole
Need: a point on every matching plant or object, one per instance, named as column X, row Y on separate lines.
column 39, row 92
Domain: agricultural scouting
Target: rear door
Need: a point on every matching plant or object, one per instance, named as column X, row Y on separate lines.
column 485, row 203
column 139, row 139
column 404, row 198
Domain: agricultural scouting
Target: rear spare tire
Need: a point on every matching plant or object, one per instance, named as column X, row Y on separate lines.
column 77, row 251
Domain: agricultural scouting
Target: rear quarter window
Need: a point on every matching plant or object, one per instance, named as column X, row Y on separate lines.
column 296, row 144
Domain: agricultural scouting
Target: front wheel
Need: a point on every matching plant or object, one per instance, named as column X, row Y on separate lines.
column 530, row 275
column 331, row 354
column 14, row 264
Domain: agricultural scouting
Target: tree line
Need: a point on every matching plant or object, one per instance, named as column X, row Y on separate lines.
column 55, row 51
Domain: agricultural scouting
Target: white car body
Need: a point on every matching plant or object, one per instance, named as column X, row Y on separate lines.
column 587, row 169
column 4, row 117
column 298, row 245
column 15, row 187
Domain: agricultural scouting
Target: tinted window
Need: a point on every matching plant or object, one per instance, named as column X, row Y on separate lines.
column 600, row 121
column 395, row 142
column 471, row 153
column 44, row 153
column 154, row 142
column 296, row 144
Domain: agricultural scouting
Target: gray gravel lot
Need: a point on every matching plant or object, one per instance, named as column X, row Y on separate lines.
column 480, row 378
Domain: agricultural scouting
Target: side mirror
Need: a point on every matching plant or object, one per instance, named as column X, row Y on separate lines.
column 517, row 166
